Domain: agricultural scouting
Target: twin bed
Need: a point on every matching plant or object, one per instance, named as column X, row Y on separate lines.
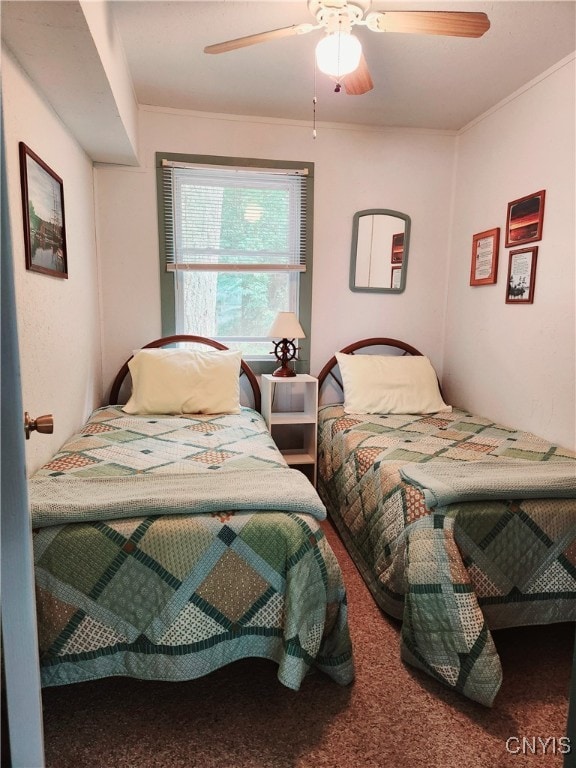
column 168, row 545
column 459, row 526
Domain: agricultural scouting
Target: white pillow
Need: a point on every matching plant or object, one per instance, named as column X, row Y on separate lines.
column 174, row 381
column 390, row 384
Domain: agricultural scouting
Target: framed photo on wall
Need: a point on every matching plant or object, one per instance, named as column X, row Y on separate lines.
column 43, row 215
column 484, row 266
column 521, row 276
column 525, row 219
column 397, row 248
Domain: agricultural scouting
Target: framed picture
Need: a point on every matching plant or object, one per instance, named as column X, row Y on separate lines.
column 521, row 276
column 484, row 266
column 397, row 248
column 396, row 277
column 43, row 214
column 525, row 218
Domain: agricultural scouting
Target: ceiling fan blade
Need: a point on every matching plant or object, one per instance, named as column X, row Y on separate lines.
column 455, row 23
column 359, row 81
column 261, row 37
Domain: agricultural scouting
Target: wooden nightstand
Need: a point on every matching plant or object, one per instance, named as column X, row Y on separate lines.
column 290, row 409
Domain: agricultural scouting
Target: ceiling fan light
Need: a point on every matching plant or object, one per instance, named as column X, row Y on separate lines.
column 338, row 54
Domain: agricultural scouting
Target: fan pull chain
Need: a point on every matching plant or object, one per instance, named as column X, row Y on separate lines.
column 314, row 102
column 338, row 86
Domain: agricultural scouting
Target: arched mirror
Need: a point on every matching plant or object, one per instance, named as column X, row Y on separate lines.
column 379, row 258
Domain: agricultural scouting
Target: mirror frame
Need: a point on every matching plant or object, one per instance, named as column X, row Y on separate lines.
column 353, row 253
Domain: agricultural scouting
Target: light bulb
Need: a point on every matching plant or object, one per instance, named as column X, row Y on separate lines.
column 338, row 54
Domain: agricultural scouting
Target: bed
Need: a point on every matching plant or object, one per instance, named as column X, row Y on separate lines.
column 459, row 526
column 171, row 538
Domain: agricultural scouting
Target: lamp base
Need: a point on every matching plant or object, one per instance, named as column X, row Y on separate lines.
column 284, row 371
column 285, row 351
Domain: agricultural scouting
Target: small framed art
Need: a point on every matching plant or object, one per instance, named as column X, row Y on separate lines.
column 398, row 248
column 484, row 266
column 396, row 277
column 525, row 219
column 521, row 276
column 43, row 214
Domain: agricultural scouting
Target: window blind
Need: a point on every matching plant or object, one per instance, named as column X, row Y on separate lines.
column 234, row 219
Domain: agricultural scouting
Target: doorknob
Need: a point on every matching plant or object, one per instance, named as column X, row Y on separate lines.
column 44, row 424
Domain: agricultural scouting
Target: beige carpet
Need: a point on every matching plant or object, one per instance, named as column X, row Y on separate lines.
column 391, row 717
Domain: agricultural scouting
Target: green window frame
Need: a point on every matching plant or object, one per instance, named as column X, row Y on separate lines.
column 168, row 276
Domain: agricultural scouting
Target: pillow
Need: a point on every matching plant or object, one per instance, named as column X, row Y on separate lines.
column 170, row 381
column 390, row 384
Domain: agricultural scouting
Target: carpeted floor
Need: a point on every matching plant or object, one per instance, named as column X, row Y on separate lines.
column 391, row 717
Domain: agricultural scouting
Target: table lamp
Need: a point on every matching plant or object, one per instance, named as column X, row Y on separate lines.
column 286, row 328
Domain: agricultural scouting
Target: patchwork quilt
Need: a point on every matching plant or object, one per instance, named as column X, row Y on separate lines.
column 452, row 573
column 173, row 584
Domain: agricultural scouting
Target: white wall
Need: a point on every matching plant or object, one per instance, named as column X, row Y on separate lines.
column 516, row 363
column 58, row 320
column 512, row 363
column 355, row 168
column 100, row 20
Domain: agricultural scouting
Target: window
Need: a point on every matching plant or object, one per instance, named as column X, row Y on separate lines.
column 235, row 243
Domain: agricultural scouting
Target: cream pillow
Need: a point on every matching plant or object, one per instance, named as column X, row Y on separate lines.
column 389, row 384
column 174, row 381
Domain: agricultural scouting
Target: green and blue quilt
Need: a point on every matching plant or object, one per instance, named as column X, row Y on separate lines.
column 168, row 546
column 452, row 573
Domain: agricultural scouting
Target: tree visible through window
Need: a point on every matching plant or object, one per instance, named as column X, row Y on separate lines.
column 237, row 241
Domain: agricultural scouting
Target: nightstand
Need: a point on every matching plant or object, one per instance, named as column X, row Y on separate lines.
column 290, row 409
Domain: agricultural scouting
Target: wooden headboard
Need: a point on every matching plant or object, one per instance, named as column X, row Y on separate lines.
column 167, row 341
column 329, row 370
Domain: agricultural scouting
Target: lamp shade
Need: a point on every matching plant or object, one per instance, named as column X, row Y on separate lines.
column 286, row 326
column 338, row 54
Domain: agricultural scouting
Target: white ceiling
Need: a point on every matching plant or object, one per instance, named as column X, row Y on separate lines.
column 419, row 81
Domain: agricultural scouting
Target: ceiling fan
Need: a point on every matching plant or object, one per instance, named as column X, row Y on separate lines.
column 339, row 53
